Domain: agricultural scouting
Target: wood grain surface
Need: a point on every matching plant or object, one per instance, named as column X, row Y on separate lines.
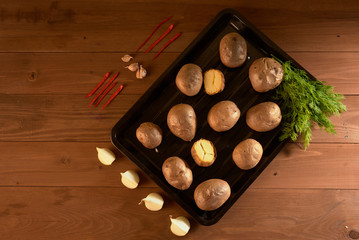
column 52, row 186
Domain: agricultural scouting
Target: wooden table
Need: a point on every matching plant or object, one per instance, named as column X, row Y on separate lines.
column 52, row 185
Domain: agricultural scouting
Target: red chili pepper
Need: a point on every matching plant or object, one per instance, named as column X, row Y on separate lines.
column 107, row 91
column 153, row 32
column 160, row 38
column 168, row 43
column 103, row 89
column 113, row 96
column 98, row 85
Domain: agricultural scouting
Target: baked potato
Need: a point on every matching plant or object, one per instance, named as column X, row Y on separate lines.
column 182, row 121
column 203, row 152
column 223, row 116
column 213, row 81
column 189, row 79
column 247, row 154
column 233, row 50
column 212, row 194
column 265, row 74
column 149, row 134
column 264, row 117
column 177, row 173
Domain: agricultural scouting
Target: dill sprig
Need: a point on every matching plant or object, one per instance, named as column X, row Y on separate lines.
column 305, row 102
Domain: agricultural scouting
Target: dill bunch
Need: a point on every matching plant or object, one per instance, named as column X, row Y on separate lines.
column 304, row 103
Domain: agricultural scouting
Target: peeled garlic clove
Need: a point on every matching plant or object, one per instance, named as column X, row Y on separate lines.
column 132, row 67
column 105, row 155
column 126, row 58
column 141, row 73
column 180, row 226
column 130, row 179
column 153, row 202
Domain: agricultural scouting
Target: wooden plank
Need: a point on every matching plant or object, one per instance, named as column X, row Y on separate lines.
column 112, row 213
column 67, row 118
column 78, row 73
column 75, row 164
column 78, row 26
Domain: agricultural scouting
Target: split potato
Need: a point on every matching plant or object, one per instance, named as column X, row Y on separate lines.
column 233, row 50
column 264, row 117
column 247, row 154
column 223, row 116
column 265, row 74
column 149, row 134
column 204, row 153
column 213, row 81
column 212, row 194
column 189, row 79
column 182, row 121
column 177, row 173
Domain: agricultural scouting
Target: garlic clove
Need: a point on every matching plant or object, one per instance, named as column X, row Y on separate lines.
column 141, row 73
column 153, row 202
column 105, row 155
column 132, row 67
column 130, row 179
column 126, row 58
column 180, row 226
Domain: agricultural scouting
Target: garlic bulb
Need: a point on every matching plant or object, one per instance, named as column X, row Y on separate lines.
column 153, row 202
column 105, row 155
column 126, row 58
column 132, row 67
column 130, row 179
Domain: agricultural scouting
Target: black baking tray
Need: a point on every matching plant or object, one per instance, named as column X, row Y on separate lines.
column 154, row 105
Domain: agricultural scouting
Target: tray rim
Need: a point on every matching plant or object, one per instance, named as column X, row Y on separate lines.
column 142, row 99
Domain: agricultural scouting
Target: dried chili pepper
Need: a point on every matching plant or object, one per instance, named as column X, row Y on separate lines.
column 98, row 85
column 113, row 96
column 168, row 43
column 160, row 38
column 105, row 93
column 103, row 89
column 153, row 32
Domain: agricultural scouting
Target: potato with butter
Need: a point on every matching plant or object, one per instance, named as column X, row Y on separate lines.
column 204, row 153
column 213, row 81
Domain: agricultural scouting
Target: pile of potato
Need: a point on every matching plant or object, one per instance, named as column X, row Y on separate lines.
column 265, row 74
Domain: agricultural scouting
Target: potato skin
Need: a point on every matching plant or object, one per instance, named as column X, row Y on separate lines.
column 212, row 194
column 265, row 74
column 182, row 121
column 189, row 79
column 233, row 50
column 247, row 154
column 177, row 173
column 223, row 116
column 264, row 117
column 149, row 134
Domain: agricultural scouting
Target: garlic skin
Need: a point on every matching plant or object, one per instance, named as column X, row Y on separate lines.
column 126, row 58
column 130, row 179
column 132, row 67
column 153, row 202
column 179, row 226
column 141, row 73
column 105, row 155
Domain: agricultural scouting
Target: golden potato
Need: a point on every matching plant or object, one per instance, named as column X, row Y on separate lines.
column 189, row 79
column 213, row 81
column 223, row 116
column 264, row 117
column 177, row 173
column 247, row 154
column 203, row 152
column 233, row 50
